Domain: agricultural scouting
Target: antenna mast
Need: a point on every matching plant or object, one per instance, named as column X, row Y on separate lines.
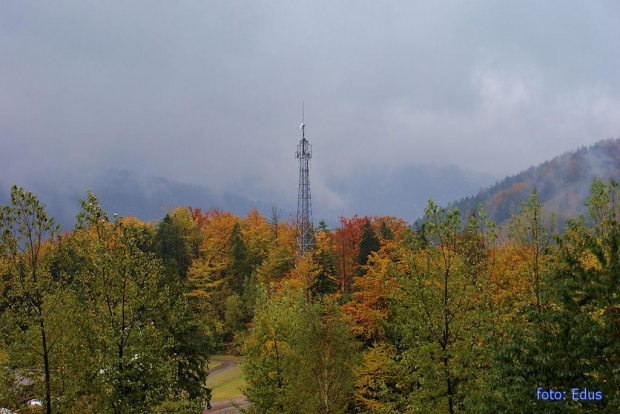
column 305, row 238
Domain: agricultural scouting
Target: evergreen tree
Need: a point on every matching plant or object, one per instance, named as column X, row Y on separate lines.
column 385, row 231
column 323, row 227
column 369, row 243
column 190, row 347
column 172, row 248
column 239, row 268
column 279, row 262
column 274, row 221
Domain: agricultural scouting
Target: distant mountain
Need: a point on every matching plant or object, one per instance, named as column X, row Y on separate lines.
column 404, row 191
column 563, row 184
column 398, row 191
column 130, row 194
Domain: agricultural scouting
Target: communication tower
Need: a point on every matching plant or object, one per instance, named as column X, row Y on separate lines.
column 305, row 237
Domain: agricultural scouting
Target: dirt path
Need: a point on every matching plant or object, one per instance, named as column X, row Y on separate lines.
column 224, row 364
column 225, row 407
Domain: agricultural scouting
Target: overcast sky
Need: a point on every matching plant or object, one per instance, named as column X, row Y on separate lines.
column 211, row 92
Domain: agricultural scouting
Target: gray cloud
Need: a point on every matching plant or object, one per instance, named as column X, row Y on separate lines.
column 210, row 93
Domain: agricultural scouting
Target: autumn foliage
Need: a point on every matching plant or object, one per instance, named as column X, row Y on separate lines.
column 450, row 315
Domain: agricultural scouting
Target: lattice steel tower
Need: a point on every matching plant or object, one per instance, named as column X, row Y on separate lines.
column 305, row 237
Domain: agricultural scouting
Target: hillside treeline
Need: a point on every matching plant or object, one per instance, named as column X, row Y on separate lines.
column 452, row 316
column 562, row 183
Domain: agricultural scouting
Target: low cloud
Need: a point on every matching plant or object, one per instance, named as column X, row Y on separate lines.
column 210, row 93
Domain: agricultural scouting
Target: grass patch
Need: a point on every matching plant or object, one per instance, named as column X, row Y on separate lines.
column 226, row 384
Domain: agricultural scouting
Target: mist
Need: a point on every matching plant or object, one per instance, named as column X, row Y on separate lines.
column 210, row 93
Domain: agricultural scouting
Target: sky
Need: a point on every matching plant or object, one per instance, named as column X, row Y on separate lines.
column 211, row 92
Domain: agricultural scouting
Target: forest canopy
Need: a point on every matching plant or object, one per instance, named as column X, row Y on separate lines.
column 451, row 315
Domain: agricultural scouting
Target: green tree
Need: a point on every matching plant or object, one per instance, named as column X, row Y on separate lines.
column 134, row 322
column 177, row 243
column 532, row 238
column 385, row 231
column 326, row 356
column 520, row 303
column 573, row 340
column 236, row 313
column 30, row 243
column 239, row 268
column 277, row 264
column 176, row 234
column 190, row 229
column 369, row 243
column 298, row 356
column 324, row 256
column 268, row 354
column 443, row 313
column 172, row 248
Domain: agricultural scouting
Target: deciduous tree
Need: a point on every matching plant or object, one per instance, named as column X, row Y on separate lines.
column 299, row 356
column 443, row 312
column 29, row 243
column 132, row 317
column 572, row 340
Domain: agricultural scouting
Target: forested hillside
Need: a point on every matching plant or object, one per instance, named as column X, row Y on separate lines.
column 117, row 315
column 562, row 183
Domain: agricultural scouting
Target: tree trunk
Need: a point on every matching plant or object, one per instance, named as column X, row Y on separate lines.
column 46, row 364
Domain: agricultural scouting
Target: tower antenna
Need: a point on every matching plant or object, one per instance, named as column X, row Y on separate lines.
column 305, row 238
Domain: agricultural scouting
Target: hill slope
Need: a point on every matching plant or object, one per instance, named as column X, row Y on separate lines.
column 401, row 191
column 563, row 183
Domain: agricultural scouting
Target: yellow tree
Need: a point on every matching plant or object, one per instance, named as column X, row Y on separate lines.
column 367, row 312
column 303, row 276
column 258, row 237
column 209, row 287
column 379, row 379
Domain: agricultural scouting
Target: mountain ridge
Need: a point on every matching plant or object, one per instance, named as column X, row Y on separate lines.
column 562, row 183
